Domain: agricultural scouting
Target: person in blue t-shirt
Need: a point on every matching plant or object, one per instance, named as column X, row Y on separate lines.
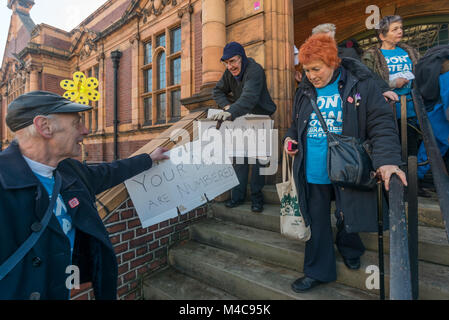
column 352, row 104
column 394, row 62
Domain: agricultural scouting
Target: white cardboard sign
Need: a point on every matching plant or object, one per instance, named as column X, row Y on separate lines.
column 167, row 187
column 247, row 136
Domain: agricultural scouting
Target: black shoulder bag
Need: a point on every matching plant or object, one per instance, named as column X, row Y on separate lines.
column 348, row 162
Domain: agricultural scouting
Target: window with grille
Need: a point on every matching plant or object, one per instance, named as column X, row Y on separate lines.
column 420, row 36
column 162, row 77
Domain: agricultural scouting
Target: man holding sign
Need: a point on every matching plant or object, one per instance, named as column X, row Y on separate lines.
column 48, row 220
column 242, row 90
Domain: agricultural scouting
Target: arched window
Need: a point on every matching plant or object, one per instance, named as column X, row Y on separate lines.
column 161, row 87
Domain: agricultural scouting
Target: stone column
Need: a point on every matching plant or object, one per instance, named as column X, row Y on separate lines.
column 101, row 90
column 34, row 79
column 186, row 53
column 279, row 66
column 214, row 40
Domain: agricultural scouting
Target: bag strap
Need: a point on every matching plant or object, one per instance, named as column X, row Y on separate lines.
column 321, row 119
column 319, row 115
column 286, row 168
column 26, row 246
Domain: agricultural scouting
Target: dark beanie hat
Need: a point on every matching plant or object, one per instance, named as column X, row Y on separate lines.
column 235, row 49
column 23, row 110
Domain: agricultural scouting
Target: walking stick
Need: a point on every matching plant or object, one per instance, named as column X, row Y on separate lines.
column 380, row 236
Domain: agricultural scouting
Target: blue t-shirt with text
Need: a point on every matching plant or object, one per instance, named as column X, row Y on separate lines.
column 330, row 104
column 398, row 60
column 60, row 210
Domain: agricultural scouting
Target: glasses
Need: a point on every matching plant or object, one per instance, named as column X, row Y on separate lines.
column 231, row 62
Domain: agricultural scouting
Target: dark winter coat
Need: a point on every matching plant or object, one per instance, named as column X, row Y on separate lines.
column 375, row 121
column 428, row 72
column 248, row 96
column 24, row 200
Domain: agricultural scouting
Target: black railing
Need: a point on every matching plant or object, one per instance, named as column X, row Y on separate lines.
column 439, row 172
column 403, row 233
column 400, row 272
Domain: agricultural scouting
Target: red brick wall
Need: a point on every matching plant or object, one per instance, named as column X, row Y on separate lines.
column 17, row 44
column 140, row 251
column 198, row 31
column 100, row 152
column 111, row 17
column 51, row 83
column 56, row 42
column 124, row 89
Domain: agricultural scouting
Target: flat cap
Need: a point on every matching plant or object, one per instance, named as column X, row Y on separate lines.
column 26, row 107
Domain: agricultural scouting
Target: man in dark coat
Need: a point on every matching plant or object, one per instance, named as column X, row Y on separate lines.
column 361, row 112
column 241, row 90
column 48, row 132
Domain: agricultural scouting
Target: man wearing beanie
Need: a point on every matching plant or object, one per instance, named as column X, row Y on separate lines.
column 242, row 90
column 50, row 229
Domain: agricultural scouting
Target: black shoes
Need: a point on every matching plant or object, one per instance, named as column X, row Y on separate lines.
column 304, row 284
column 353, row 264
column 232, row 204
column 257, row 207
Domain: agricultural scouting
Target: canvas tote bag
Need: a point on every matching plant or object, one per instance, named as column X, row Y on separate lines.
column 293, row 225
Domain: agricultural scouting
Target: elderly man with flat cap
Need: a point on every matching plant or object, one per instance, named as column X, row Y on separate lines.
column 49, row 226
column 243, row 90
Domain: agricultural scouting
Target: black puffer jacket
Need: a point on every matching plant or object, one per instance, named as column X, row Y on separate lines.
column 248, row 96
column 371, row 119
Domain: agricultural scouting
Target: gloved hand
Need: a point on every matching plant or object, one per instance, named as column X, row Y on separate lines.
column 222, row 116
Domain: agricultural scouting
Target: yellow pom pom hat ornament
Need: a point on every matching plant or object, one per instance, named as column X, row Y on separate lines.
column 81, row 89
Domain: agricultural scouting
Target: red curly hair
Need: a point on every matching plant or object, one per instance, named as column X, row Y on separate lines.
column 320, row 47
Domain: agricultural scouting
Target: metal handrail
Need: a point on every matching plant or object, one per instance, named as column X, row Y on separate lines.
column 400, row 271
column 439, row 172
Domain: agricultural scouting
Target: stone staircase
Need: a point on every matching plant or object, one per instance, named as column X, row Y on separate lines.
column 238, row 254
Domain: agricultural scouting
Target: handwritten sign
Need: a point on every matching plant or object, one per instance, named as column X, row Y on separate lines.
column 160, row 192
column 247, row 136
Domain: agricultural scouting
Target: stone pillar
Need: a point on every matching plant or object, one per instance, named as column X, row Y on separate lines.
column 186, row 52
column 214, row 40
column 34, row 79
column 27, row 81
column 101, row 90
column 279, row 67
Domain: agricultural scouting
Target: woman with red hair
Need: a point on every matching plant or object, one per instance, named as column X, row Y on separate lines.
column 352, row 105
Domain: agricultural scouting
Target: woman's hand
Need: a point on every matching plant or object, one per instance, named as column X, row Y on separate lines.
column 290, row 153
column 400, row 82
column 386, row 172
column 390, row 95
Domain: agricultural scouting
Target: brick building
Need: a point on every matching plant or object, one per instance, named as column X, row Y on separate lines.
column 165, row 57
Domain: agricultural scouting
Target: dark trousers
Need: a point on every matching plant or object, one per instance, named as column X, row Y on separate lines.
column 319, row 259
column 413, row 136
column 257, row 182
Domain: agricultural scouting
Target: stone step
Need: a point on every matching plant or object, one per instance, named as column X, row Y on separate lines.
column 270, row 247
column 433, row 245
column 170, row 284
column 428, row 208
column 249, row 278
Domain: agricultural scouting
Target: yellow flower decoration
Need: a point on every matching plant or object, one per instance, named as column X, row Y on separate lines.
column 81, row 89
